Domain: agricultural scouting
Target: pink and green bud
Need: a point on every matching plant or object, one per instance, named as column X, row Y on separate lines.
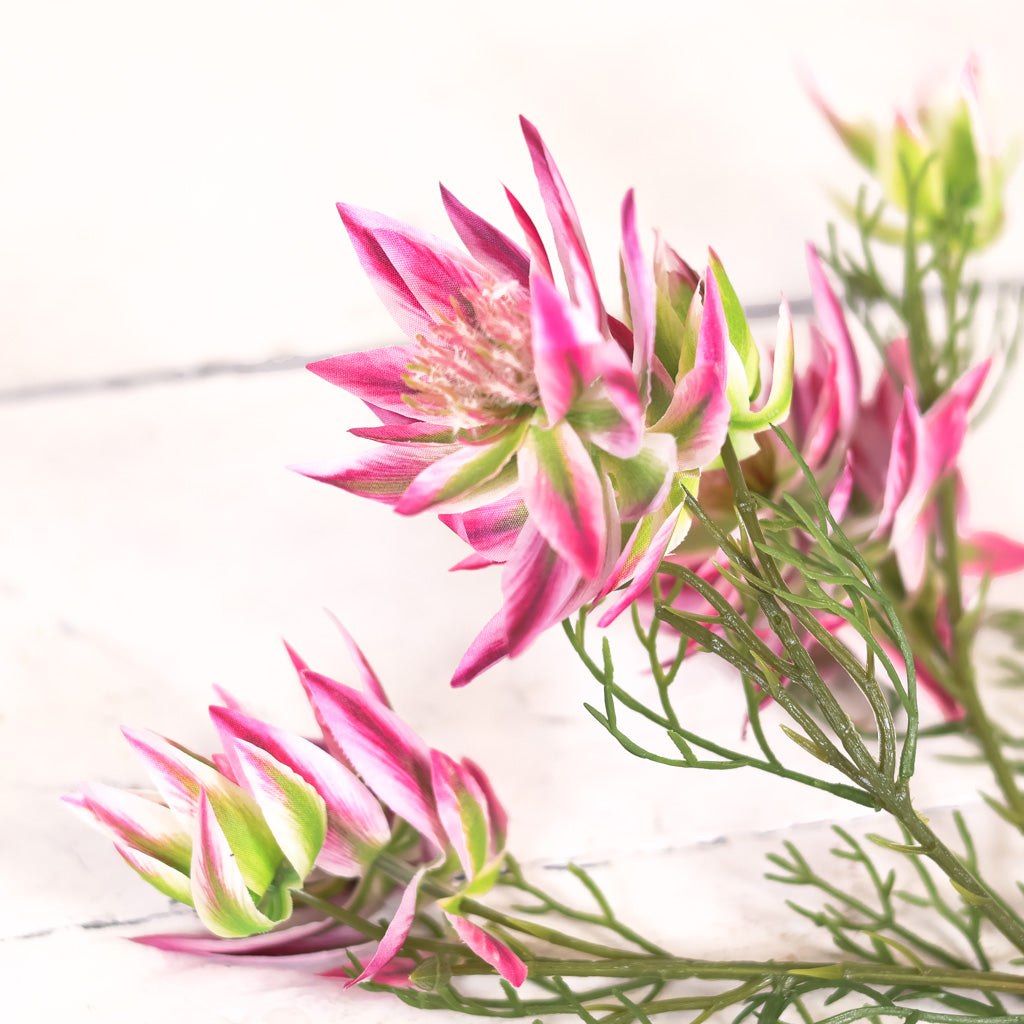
column 944, row 149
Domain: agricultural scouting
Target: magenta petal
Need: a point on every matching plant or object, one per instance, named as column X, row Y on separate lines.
column 839, row 499
column 371, row 682
column 489, row 647
column 906, row 443
column 285, row 943
column 640, row 565
column 640, row 287
column 403, row 305
column 374, row 376
column 356, row 824
column 495, row 812
column 713, row 338
column 460, row 471
column 697, row 416
column 538, row 254
column 415, row 274
column 565, row 225
column 537, row 585
column 991, row 554
column 405, row 432
column 461, row 807
column 391, row 759
column 563, row 346
column 563, row 491
column 383, row 474
column 946, row 421
column 223, row 901
column 833, row 325
column 490, row 247
column 489, row 949
column 397, row 931
column 490, row 530
column 436, row 274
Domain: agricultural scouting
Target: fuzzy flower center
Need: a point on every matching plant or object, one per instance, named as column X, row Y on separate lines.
column 475, row 367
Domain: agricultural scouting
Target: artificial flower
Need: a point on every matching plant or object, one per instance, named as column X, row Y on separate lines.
column 569, row 436
column 276, row 813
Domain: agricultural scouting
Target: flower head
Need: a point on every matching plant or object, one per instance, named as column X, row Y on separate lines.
column 277, row 818
column 943, row 147
column 570, row 436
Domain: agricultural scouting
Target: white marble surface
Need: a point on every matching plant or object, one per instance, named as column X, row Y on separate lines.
column 167, row 205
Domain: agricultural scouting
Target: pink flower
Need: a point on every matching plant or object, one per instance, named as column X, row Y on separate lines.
column 276, row 813
column 881, row 461
column 568, row 435
column 945, row 143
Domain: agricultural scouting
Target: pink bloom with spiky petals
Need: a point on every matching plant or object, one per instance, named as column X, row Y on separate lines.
column 879, row 460
column 275, row 812
column 568, row 435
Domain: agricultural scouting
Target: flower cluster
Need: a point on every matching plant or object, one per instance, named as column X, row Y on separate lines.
column 277, row 817
column 567, row 437
column 880, row 459
column 937, row 158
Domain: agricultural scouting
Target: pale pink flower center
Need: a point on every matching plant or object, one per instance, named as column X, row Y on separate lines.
column 476, row 365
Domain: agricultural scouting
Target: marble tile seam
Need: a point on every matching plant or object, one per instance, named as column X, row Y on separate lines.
column 148, row 378
column 543, row 864
column 61, row 388
column 58, row 388
column 172, row 914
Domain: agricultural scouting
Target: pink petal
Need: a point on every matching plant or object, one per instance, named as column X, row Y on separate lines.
column 489, row 647
column 837, row 335
column 392, row 760
column 403, row 433
column 563, row 342
column 564, row 495
column 462, row 809
column 222, row 898
column 374, row 376
column 284, row 945
column 491, row 530
column 383, row 474
column 415, row 274
column 490, row 950
column 537, row 585
column 839, row 499
column 906, row 442
column 713, row 338
column 436, row 274
column 460, row 472
column 371, row 683
column 490, row 247
column 327, row 739
column 640, row 287
column 572, row 250
column 139, row 822
column 356, row 824
column 697, row 417
column 397, row 931
column 495, row 812
column 538, row 254
column 403, row 305
column 639, row 563
column 991, row 554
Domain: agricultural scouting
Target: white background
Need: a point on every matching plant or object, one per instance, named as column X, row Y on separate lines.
column 167, row 183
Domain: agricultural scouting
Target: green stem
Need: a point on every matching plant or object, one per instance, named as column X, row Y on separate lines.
column 893, row 797
column 966, row 691
column 402, row 872
column 682, row 968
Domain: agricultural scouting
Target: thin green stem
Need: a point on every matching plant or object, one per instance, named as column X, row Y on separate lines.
column 682, row 968
column 966, row 691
